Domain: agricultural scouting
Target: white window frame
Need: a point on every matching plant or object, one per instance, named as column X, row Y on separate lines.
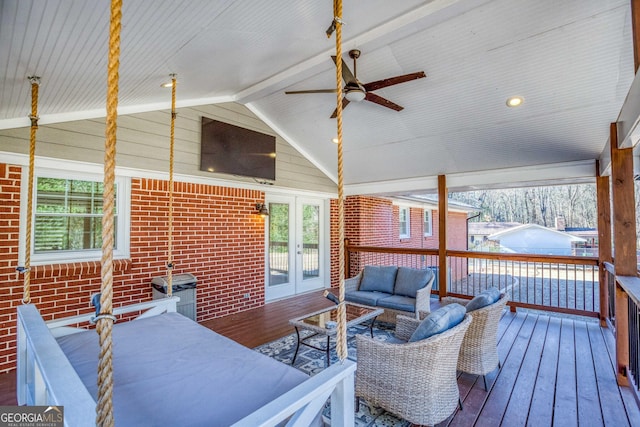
column 407, row 220
column 123, row 203
column 428, row 222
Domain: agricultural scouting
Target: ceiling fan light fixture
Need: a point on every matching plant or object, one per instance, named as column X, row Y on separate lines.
column 354, row 95
column 515, row 101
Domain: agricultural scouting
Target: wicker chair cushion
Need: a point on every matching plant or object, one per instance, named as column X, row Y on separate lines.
column 365, row 297
column 439, row 321
column 411, row 280
column 398, row 302
column 483, row 299
column 378, row 278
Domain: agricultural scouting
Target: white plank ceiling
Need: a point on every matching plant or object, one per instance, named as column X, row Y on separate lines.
column 571, row 60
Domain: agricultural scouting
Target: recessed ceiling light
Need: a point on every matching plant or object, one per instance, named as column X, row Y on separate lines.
column 515, row 101
column 334, row 140
column 167, row 84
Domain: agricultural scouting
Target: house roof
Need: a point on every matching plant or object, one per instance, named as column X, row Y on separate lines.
column 582, row 232
column 432, row 203
column 487, row 228
column 571, row 61
column 524, row 227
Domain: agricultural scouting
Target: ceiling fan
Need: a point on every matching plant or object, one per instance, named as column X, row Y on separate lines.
column 354, row 91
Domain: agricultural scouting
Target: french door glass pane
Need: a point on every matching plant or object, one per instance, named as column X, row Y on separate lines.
column 311, row 241
column 278, row 243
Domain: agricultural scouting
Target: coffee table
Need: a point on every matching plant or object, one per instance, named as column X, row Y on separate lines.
column 324, row 322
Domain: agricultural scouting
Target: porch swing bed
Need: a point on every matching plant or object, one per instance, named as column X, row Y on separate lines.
column 169, row 370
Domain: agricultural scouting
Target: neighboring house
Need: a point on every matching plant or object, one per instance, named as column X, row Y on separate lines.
column 479, row 232
column 590, row 236
column 536, row 239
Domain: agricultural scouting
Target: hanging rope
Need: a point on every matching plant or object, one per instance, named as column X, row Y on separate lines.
column 171, row 146
column 342, row 316
column 26, row 269
column 104, row 407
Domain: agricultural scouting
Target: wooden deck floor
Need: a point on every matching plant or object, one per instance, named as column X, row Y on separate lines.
column 555, row 371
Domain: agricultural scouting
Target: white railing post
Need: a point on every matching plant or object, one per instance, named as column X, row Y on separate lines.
column 342, row 403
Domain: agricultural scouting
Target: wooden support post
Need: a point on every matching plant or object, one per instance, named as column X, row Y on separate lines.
column 624, row 243
column 443, row 212
column 635, row 23
column 604, row 241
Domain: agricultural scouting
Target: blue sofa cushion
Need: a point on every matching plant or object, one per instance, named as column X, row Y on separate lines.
column 439, row 321
column 411, row 280
column 365, row 297
column 398, row 302
column 483, row 299
column 378, row 278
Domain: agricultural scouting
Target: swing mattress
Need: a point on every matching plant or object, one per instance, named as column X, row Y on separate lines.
column 168, row 370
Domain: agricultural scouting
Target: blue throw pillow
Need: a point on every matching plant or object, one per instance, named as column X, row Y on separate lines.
column 483, row 299
column 439, row 321
column 378, row 278
column 411, row 280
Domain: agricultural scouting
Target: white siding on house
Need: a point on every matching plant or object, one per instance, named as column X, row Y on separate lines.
column 143, row 143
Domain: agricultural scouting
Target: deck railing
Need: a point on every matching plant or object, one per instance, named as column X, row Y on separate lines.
column 634, row 341
column 563, row 284
column 628, row 332
column 610, row 277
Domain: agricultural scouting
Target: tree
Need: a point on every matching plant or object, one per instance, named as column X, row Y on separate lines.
column 537, row 205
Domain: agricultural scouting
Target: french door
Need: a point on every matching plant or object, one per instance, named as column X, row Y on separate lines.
column 295, row 246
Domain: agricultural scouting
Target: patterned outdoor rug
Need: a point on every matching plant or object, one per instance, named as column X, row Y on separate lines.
column 312, row 361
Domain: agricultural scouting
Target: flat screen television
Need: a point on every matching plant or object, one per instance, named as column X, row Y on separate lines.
column 225, row 148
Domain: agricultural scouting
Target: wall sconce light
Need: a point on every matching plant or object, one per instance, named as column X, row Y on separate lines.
column 262, row 210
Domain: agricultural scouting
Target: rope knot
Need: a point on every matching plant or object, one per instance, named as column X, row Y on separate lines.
column 34, row 121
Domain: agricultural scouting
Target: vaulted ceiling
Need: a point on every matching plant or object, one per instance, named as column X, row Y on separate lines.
column 571, row 61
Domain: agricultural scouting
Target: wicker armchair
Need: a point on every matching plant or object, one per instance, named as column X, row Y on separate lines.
column 416, row 381
column 479, row 350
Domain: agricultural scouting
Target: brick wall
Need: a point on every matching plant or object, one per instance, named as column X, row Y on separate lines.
column 217, row 237
column 10, row 287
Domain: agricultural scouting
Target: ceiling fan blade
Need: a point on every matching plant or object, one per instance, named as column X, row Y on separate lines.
column 295, row 92
column 347, row 75
column 382, row 101
column 345, row 102
column 379, row 84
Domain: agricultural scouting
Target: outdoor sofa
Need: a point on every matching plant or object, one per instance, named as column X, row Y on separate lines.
column 398, row 290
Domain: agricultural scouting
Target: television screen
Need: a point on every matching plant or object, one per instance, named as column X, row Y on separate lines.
column 225, row 148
